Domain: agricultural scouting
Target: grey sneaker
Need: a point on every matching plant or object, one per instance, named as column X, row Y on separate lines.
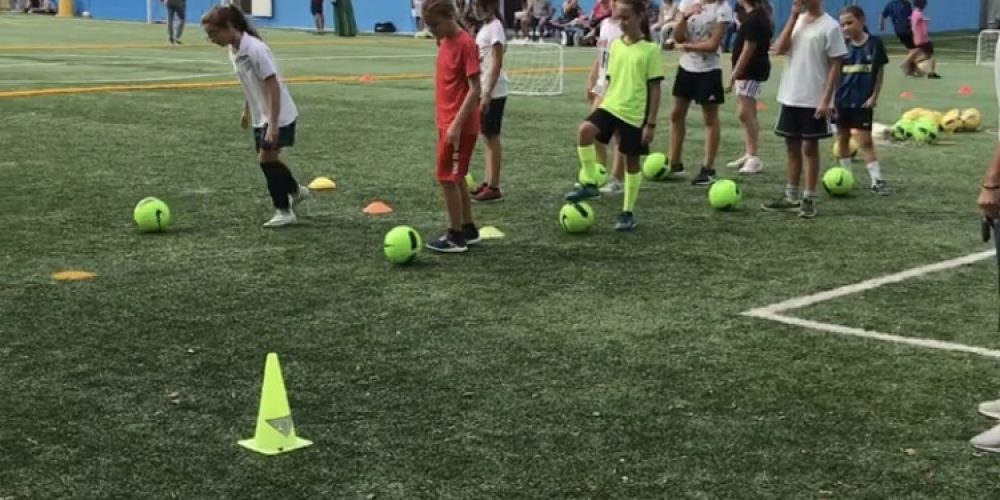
column 987, row 441
column 614, row 186
column 782, row 204
column 625, row 221
column 881, row 188
column 807, row 208
column 583, row 193
column 990, row 409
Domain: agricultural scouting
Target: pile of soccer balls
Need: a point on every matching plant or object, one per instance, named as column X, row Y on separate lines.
column 925, row 126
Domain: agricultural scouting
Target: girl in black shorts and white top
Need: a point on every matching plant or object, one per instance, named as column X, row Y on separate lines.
column 699, row 36
column 751, row 68
column 492, row 42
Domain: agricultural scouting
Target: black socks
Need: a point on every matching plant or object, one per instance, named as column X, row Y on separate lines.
column 280, row 183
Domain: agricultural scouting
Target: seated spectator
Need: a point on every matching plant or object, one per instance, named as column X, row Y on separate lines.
column 572, row 23
column 600, row 12
column 533, row 21
column 41, row 7
column 663, row 28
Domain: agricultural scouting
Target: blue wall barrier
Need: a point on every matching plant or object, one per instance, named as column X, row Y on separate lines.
column 955, row 15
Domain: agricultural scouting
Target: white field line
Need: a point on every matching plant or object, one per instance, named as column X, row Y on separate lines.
column 864, row 286
column 773, row 312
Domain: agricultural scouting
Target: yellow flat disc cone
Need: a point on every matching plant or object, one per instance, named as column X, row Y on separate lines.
column 322, row 183
column 73, row 275
column 490, row 232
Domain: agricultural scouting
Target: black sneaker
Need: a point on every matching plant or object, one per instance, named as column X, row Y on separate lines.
column 782, row 204
column 584, row 192
column 705, row 177
column 451, row 242
column 934, row 76
column 676, row 171
column 625, row 221
column 807, row 208
column 881, row 188
column 471, row 234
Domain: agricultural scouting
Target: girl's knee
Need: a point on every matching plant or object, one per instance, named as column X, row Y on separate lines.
column 810, row 148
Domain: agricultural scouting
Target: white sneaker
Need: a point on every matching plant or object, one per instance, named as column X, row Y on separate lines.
column 303, row 195
column 753, row 165
column 281, row 218
column 737, row 163
column 614, row 186
column 990, row 409
column 987, row 441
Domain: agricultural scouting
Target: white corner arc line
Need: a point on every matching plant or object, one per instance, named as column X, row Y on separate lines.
column 864, row 286
column 873, row 335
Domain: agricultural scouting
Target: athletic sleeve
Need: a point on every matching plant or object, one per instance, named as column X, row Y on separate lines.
column 724, row 15
column 654, row 64
column 881, row 57
column 496, row 35
column 263, row 63
column 835, row 45
column 470, row 53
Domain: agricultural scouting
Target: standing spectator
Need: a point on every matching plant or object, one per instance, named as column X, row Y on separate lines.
column 316, row 7
column 175, row 9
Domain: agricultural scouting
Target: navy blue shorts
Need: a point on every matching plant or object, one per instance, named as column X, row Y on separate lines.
column 286, row 138
column 316, row 8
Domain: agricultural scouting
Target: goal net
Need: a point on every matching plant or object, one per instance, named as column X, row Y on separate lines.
column 986, row 47
column 534, row 68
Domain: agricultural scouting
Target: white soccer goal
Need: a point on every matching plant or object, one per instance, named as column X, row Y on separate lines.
column 534, row 68
column 986, row 47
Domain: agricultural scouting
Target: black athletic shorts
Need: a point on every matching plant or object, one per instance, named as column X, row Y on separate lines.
column 906, row 39
column 492, row 119
column 629, row 137
column 316, row 7
column 286, row 137
column 702, row 88
column 855, row 118
column 801, row 123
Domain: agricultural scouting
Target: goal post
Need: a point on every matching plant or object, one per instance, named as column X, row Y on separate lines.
column 534, row 68
column 986, row 47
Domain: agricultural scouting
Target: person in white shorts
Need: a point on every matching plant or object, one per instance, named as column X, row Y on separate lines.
column 751, row 68
column 597, row 84
column 989, row 204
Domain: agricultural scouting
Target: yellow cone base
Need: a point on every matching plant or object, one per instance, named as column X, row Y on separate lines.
column 251, row 444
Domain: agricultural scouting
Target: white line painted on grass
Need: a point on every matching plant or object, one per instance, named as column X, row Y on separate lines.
column 773, row 312
column 864, row 286
column 193, row 76
column 874, row 335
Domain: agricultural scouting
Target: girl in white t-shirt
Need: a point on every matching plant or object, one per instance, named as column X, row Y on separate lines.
column 698, row 36
column 268, row 107
column 491, row 41
column 596, row 85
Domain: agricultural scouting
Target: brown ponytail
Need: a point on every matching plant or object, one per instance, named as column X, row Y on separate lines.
column 229, row 16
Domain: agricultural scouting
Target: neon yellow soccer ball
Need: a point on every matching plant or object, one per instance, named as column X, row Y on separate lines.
column 972, row 119
column 853, row 147
column 600, row 180
column 655, row 167
column 402, row 245
column 151, row 215
column 724, row 195
column 576, row 217
column 838, row 181
column 925, row 131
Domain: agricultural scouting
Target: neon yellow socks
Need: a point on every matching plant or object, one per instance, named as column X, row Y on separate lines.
column 632, row 182
column 588, row 161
